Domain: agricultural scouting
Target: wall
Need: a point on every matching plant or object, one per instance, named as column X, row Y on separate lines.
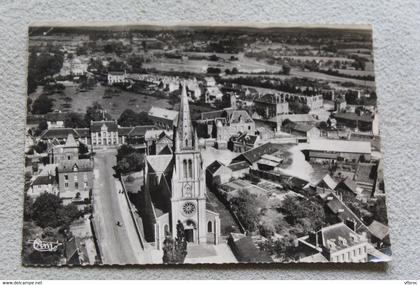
column 396, row 40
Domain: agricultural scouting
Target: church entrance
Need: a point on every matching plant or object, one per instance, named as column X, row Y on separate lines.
column 189, row 235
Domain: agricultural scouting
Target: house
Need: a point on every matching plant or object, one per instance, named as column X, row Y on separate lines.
column 243, row 142
column 75, row 181
column 61, row 134
column 362, row 122
column 55, row 120
column 336, row 243
column 304, row 132
column 43, row 184
column 245, row 250
column 271, row 105
column 163, row 118
column 223, row 124
column 212, row 94
column 217, row 173
column 333, row 150
column 116, row 77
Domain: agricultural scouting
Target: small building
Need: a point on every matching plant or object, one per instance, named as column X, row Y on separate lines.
column 55, row 120
column 304, row 132
column 43, row 184
column 163, row 118
column 351, row 120
column 379, row 234
column 117, row 77
column 239, row 169
column 243, row 142
column 212, row 94
column 217, row 173
column 333, row 150
column 271, row 105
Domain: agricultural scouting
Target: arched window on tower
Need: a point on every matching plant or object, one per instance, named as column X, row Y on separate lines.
column 185, row 168
column 209, row 227
column 186, row 142
column 190, row 168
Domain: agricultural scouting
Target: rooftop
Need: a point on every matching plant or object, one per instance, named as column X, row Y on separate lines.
column 362, row 147
column 354, row 117
column 80, row 165
column 163, row 113
column 95, row 126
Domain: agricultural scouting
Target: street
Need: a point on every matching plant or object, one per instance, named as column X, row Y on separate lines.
column 119, row 244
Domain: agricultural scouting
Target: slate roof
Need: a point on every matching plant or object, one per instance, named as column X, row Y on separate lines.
column 339, row 236
column 328, row 181
column 159, row 163
column 95, row 126
column 379, row 230
column 354, row 117
column 239, row 116
column 140, row 130
column 302, row 128
column 326, row 145
column 253, row 155
column 44, row 180
column 82, row 165
column 246, row 138
column 344, row 213
column 59, row 133
column 213, row 167
column 238, row 165
column 83, row 132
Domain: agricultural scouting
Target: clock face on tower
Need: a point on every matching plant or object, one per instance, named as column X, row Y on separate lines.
column 188, row 208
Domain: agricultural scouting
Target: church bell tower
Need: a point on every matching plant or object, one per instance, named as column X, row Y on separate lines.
column 188, row 201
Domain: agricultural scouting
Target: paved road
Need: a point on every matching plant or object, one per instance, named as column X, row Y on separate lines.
column 118, row 244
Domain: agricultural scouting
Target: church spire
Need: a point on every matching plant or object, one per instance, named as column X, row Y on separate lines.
column 184, row 128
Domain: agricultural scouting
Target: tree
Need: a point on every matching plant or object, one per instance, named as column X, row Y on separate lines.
column 304, row 212
column 286, row 69
column 247, row 207
column 75, row 120
column 47, row 211
column 42, row 105
column 129, row 118
column 213, row 70
column 175, row 251
column 95, row 113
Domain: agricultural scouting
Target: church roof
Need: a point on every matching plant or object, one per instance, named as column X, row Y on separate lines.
column 159, row 163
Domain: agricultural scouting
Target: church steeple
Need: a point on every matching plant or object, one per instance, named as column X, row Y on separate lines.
column 184, row 132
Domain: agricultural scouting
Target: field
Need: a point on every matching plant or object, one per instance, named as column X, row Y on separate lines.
column 114, row 105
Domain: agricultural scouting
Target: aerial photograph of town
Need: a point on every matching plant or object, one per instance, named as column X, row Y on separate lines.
column 202, row 144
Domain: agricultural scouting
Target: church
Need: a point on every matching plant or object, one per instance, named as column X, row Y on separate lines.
column 175, row 189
